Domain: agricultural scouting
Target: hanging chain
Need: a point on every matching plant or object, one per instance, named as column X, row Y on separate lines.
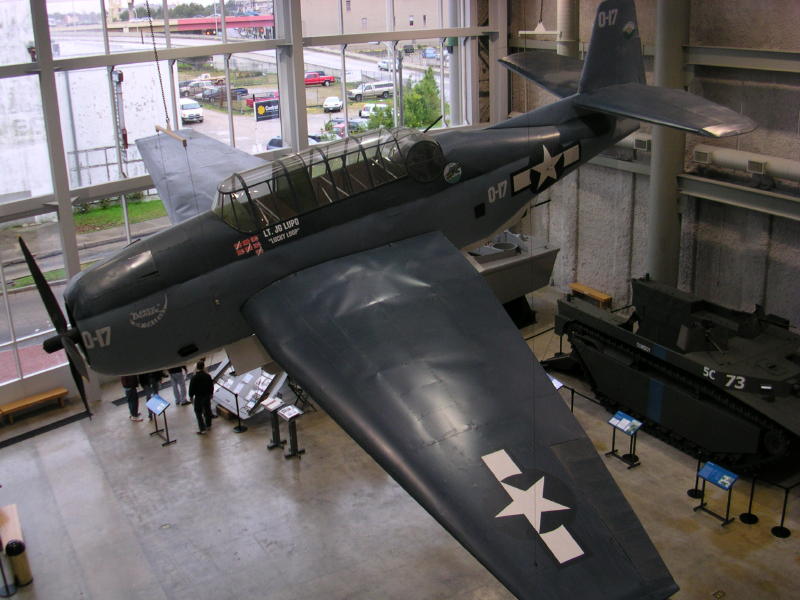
column 158, row 65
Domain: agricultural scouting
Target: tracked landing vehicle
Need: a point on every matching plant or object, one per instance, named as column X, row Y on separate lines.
column 721, row 384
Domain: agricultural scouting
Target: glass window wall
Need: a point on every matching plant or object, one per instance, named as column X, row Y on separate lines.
column 18, row 49
column 23, row 145
column 24, row 324
column 256, row 107
column 76, row 28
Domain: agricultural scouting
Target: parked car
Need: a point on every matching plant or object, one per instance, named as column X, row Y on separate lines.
column 277, row 142
column 318, row 78
column 210, row 94
column 259, row 96
column 370, row 109
column 238, row 92
column 376, row 89
column 183, row 87
column 430, row 52
column 196, row 88
column 190, row 111
column 356, row 126
column 332, row 104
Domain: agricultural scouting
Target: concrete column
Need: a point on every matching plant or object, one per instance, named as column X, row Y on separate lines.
column 55, row 138
column 498, row 77
column 567, row 25
column 294, row 124
column 456, row 111
column 663, row 225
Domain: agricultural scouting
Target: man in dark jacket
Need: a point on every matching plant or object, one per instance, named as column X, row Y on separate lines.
column 201, row 388
column 129, row 382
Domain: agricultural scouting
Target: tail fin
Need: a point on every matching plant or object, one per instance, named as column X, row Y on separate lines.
column 615, row 50
column 612, row 81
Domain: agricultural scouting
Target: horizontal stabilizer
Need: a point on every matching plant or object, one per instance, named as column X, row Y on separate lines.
column 557, row 74
column 187, row 177
column 666, row 106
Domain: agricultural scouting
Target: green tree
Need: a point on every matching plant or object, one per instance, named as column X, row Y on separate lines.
column 381, row 118
column 422, row 102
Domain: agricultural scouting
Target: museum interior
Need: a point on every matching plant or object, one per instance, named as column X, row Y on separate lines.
column 425, row 250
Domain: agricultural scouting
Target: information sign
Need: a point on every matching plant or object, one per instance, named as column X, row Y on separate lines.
column 272, row 404
column 722, row 478
column 290, row 411
column 157, row 404
column 625, row 423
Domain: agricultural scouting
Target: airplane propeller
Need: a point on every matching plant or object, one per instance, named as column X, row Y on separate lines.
column 66, row 338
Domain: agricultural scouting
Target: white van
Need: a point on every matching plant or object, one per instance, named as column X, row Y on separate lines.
column 377, row 89
column 191, row 111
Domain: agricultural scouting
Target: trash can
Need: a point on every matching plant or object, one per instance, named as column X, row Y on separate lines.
column 15, row 550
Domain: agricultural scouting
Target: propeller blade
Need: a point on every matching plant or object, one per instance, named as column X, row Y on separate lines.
column 77, row 366
column 79, row 384
column 49, row 300
column 74, row 356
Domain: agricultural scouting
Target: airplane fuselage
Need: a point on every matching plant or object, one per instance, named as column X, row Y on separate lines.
column 178, row 294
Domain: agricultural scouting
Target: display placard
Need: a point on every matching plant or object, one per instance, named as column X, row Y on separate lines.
column 272, row 404
column 289, row 412
column 719, row 476
column 556, row 383
column 625, row 423
column 157, row 404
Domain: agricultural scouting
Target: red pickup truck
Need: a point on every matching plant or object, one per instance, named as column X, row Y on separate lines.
column 318, row 78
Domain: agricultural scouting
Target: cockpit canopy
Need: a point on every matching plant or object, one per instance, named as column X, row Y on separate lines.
column 326, row 173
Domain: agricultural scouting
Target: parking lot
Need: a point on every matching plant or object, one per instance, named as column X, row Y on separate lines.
column 252, row 136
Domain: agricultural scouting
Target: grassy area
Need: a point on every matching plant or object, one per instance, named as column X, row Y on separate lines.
column 98, row 218
column 54, row 275
column 27, row 280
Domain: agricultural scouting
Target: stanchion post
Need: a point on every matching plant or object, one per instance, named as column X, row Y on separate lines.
column 239, row 428
column 748, row 518
column 695, row 491
column 779, row 530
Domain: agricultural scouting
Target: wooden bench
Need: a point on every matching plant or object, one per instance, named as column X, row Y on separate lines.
column 584, row 291
column 8, row 410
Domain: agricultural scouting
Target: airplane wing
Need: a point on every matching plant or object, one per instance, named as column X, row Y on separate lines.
column 408, row 350
column 557, row 74
column 667, row 106
column 187, row 177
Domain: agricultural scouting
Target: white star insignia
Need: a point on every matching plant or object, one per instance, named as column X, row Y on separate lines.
column 547, row 168
column 531, row 503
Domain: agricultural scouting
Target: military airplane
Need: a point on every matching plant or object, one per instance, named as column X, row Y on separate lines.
column 343, row 261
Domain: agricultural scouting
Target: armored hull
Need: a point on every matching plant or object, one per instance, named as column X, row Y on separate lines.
column 723, row 385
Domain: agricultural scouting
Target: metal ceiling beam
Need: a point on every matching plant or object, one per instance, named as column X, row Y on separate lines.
column 765, row 201
column 396, row 36
column 743, row 58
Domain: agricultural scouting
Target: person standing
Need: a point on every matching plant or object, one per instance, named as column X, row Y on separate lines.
column 201, row 389
column 129, row 382
column 150, row 383
column 177, row 376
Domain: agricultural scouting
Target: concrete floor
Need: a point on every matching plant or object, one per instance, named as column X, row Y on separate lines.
column 108, row 513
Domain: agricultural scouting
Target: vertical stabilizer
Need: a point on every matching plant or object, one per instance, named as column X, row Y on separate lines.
column 615, row 51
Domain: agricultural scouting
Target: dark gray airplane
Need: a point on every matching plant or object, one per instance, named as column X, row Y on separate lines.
column 343, row 260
